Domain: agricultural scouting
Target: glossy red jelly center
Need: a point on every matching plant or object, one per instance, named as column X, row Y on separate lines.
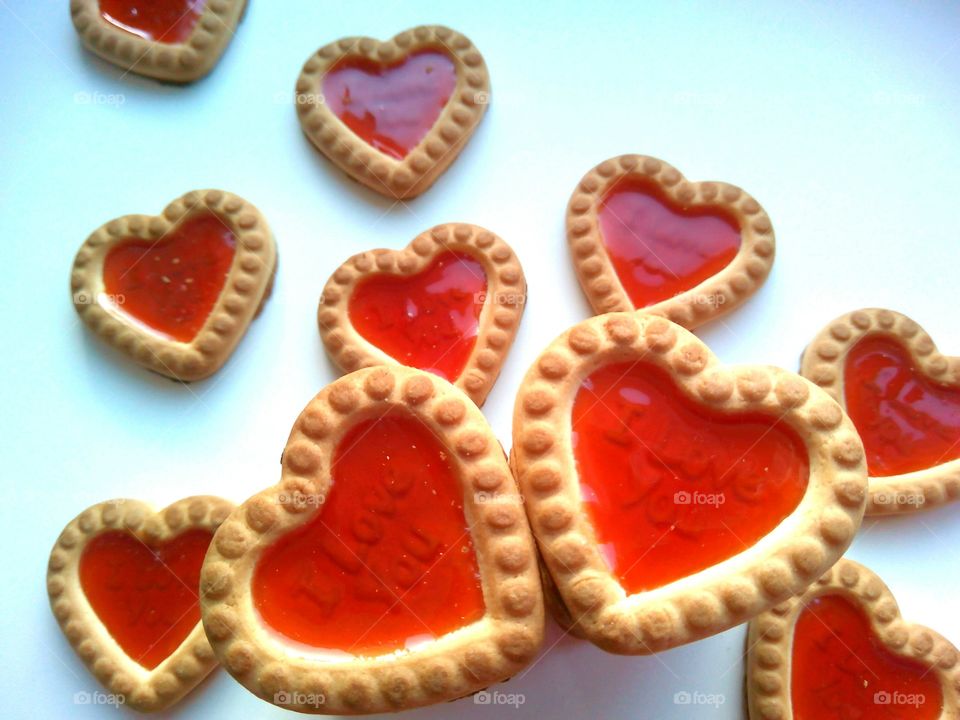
column 659, row 249
column 672, row 487
column 429, row 320
column 906, row 421
column 388, row 560
column 167, row 21
column 391, row 107
column 841, row 671
column 145, row 595
column 171, row 284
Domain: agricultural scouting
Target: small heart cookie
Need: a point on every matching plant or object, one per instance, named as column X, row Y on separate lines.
column 672, row 497
column 123, row 582
column 393, row 115
column 644, row 237
column 177, row 291
column 449, row 303
column 392, row 566
column 175, row 40
column 904, row 398
column 841, row 650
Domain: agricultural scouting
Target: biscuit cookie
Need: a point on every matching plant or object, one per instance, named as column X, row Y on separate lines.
column 450, row 303
column 672, row 497
column 123, row 584
column 394, row 114
column 176, row 291
column 391, row 567
column 904, row 398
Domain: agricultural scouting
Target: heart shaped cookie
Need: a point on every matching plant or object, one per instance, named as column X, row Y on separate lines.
column 841, row 650
column 177, row 291
column 391, row 567
column 450, row 303
column 672, row 497
column 175, row 40
column 904, row 398
column 393, row 115
column 644, row 237
column 123, row 583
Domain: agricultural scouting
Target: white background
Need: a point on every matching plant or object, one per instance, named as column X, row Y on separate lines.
column 841, row 120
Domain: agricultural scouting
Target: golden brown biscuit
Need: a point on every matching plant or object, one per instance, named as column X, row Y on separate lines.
column 903, row 395
column 120, row 584
column 176, row 291
column 644, row 237
column 673, row 497
column 392, row 565
column 173, row 40
column 449, row 302
column 406, row 112
column 841, row 649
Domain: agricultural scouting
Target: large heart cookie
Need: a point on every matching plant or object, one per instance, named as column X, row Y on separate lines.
column 841, row 650
column 672, row 497
column 391, row 567
column 904, row 398
column 393, row 115
column 450, row 303
column 177, row 291
column 176, row 40
column 123, row 582
column 644, row 237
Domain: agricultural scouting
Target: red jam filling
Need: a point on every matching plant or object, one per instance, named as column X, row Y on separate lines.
column 388, row 560
column 145, row 595
column 166, row 21
column 672, row 487
column 659, row 249
column 906, row 422
column 391, row 107
column 171, row 284
column 429, row 320
column 841, row 671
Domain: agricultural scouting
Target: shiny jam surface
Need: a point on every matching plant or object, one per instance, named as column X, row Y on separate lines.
column 672, row 487
column 658, row 249
column 841, row 671
column 145, row 595
column 906, row 421
column 388, row 560
column 171, row 284
column 167, row 21
column 391, row 107
column 429, row 320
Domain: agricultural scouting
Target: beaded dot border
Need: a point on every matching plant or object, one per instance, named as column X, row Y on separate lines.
column 406, row 178
column 176, row 62
column 503, row 304
column 712, row 298
column 455, row 665
column 788, row 559
column 823, row 362
column 247, row 285
column 142, row 689
column 770, row 641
